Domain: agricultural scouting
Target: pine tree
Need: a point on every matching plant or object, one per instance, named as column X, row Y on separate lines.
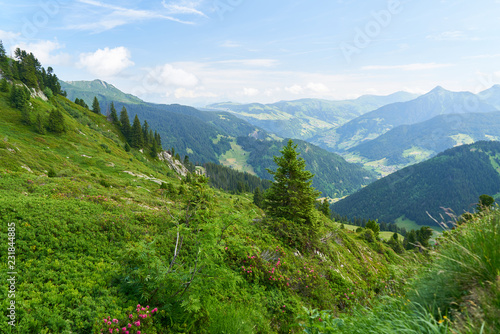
column 158, row 139
column 136, row 139
column 95, row 106
column 113, row 115
column 145, row 133
column 257, row 197
column 325, row 208
column 291, row 196
column 372, row 225
column 39, row 124
column 4, row 85
column 125, row 123
column 154, row 149
column 56, row 121
column 3, row 54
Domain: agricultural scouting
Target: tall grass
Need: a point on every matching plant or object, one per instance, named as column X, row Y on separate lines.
column 458, row 293
column 464, row 280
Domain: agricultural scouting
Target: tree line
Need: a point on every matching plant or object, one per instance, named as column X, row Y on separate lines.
column 26, row 68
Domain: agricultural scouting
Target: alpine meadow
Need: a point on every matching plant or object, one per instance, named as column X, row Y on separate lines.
column 234, row 167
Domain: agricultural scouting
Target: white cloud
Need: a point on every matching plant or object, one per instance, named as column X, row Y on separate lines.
column 182, row 92
column 407, row 67
column 295, row 89
column 8, row 35
column 250, row 91
column 168, row 75
column 455, row 35
column 230, row 44
column 112, row 16
column 106, row 62
column 317, row 87
column 251, row 62
column 183, row 7
column 43, row 51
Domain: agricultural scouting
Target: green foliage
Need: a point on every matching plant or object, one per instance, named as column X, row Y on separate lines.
column 56, row 122
column 81, row 102
column 333, row 176
column 136, row 136
column 453, row 179
column 228, row 179
column 96, row 108
column 374, row 226
column 324, row 208
column 258, row 198
column 485, row 202
column 4, row 85
column 113, row 115
column 19, row 97
column 291, row 195
column 125, row 124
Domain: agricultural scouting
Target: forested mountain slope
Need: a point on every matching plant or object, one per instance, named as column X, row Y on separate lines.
column 408, row 144
column 453, row 179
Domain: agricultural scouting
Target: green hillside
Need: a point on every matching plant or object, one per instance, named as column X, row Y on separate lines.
column 403, row 145
column 453, row 179
column 95, row 235
column 99, row 237
column 334, row 177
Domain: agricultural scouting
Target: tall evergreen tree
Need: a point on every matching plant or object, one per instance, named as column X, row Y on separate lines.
column 3, row 54
column 291, row 196
column 136, row 138
column 56, row 121
column 257, row 197
column 125, row 123
column 145, row 133
column 95, row 106
column 158, row 139
column 4, row 85
column 113, row 115
column 324, row 207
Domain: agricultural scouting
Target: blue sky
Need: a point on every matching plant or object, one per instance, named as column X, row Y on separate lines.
column 197, row 52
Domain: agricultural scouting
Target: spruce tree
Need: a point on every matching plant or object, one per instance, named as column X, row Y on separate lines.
column 291, row 195
column 113, row 115
column 95, row 106
column 136, row 139
column 325, row 208
column 56, row 121
column 257, row 197
column 125, row 123
column 145, row 133
column 4, row 85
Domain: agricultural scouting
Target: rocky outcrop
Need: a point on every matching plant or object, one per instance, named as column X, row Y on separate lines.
column 174, row 164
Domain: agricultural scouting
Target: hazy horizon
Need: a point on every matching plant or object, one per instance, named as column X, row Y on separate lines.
column 201, row 52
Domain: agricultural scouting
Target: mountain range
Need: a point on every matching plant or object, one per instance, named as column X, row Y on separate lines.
column 303, row 119
column 221, row 137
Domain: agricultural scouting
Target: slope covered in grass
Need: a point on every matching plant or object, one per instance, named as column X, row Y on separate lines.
column 100, row 236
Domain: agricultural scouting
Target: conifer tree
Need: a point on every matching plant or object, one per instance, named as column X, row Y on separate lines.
column 56, row 121
column 158, row 139
column 257, row 197
column 154, row 149
column 291, row 195
column 113, row 115
column 325, row 208
column 125, row 123
column 4, row 85
column 145, row 133
column 95, row 106
column 136, row 139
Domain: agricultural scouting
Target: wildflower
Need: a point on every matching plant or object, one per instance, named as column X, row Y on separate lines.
column 441, row 321
column 154, row 310
column 115, row 321
column 129, row 325
column 137, row 323
column 124, row 329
